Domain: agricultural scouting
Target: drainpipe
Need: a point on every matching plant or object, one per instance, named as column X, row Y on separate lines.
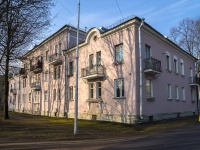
column 140, row 56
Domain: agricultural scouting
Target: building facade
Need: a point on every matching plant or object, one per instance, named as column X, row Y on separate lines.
column 128, row 72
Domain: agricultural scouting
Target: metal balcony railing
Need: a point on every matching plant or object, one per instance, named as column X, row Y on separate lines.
column 55, row 58
column 152, row 64
column 14, row 91
column 97, row 70
column 194, row 81
column 36, row 85
column 36, row 67
column 23, row 72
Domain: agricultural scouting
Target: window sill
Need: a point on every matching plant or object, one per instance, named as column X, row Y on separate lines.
column 119, row 97
column 177, row 99
column 183, row 100
column 170, row 99
column 183, row 76
column 176, row 73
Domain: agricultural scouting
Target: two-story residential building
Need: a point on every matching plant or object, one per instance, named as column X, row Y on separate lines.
column 128, row 72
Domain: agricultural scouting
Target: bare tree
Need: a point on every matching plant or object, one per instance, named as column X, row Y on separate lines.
column 21, row 22
column 187, row 35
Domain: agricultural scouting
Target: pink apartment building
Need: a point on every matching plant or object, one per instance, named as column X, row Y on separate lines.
column 128, row 72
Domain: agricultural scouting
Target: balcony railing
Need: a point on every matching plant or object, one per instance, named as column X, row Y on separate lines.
column 91, row 72
column 23, row 72
column 152, row 65
column 36, row 68
column 194, row 81
column 55, row 59
column 13, row 91
column 36, row 86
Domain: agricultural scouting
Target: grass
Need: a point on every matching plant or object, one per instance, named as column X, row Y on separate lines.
column 24, row 127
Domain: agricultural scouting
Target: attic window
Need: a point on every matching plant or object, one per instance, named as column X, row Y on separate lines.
column 95, row 38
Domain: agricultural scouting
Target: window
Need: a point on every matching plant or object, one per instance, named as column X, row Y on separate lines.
column 169, row 91
column 119, row 53
column 98, row 89
column 71, row 68
column 193, row 94
column 119, row 88
column 59, row 48
column 176, row 93
column 183, row 93
column 24, row 83
column 45, row 95
column 24, row 98
column 175, row 65
column 58, row 72
column 37, row 96
column 54, row 94
column 182, row 67
column 168, row 61
column 98, row 58
column 191, row 76
column 46, row 76
column 56, row 49
column 70, row 93
column 59, row 95
column 47, row 55
column 148, row 52
column 29, row 97
column 91, row 61
column 149, row 91
column 91, row 90
column 54, row 73
column 30, row 80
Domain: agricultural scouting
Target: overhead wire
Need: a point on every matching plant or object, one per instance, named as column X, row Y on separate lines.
column 119, row 9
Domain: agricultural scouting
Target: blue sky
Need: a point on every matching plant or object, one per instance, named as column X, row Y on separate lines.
column 160, row 14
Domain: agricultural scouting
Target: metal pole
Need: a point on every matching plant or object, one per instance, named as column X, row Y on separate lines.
column 76, row 92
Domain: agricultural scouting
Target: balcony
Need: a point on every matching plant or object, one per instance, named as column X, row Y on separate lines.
column 55, row 59
column 23, row 72
column 36, row 86
column 92, row 72
column 36, row 68
column 152, row 66
column 13, row 91
column 91, row 100
column 194, row 81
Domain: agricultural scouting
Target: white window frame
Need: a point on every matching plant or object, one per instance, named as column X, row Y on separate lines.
column 168, row 54
column 175, row 65
column 70, row 68
column 120, row 81
column 182, row 70
column 169, row 91
column 183, row 93
column 193, row 94
column 58, row 94
column 119, row 56
column 151, row 88
column 54, row 94
column 91, row 91
column 70, row 93
column 98, row 88
column 29, row 97
column 176, row 92
column 45, row 95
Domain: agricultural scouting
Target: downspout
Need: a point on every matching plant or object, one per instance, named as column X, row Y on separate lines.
column 140, row 57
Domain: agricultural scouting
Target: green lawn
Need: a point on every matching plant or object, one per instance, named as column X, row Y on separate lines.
column 24, row 127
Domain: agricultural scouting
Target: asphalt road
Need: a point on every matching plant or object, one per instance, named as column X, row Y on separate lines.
column 187, row 138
